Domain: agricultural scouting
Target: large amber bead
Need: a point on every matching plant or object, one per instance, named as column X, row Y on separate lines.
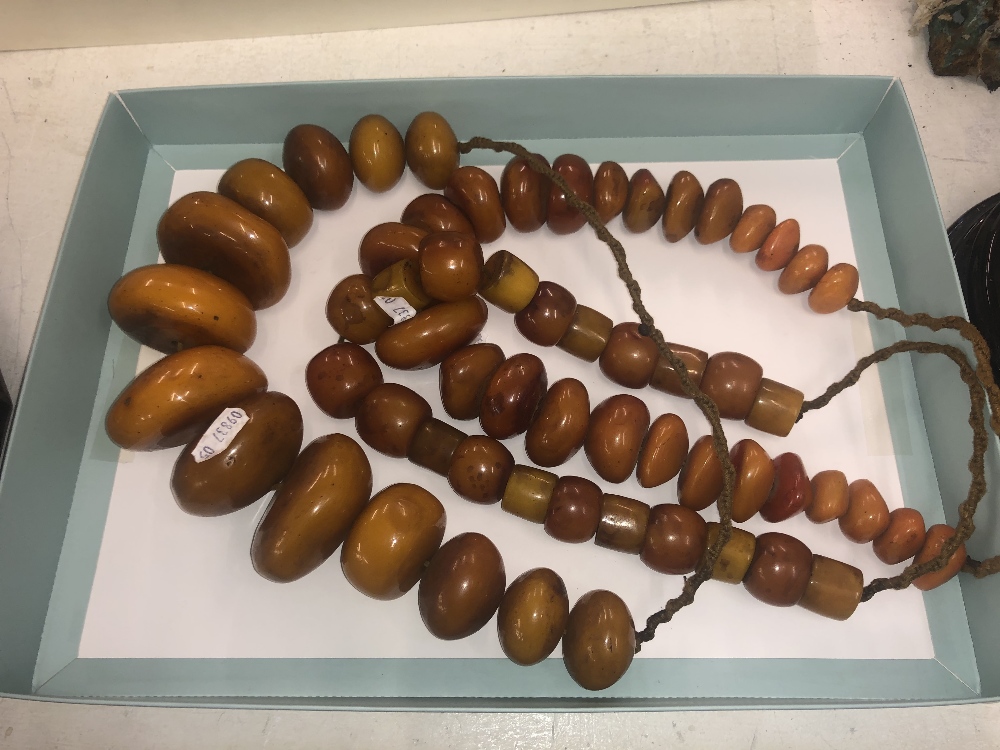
column 599, row 642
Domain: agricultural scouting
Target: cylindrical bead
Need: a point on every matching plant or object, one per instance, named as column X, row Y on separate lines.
column 587, row 335
column 775, row 408
column 508, row 282
column 734, row 558
column 623, row 524
column 528, row 493
column 834, row 588
column 434, row 444
column 402, row 279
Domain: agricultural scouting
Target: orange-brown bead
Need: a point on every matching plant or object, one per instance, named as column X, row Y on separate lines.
column 559, row 428
column 563, row 218
column 475, row 192
column 779, row 573
column 389, row 417
column 779, row 247
column 480, row 468
column 645, row 202
column 610, row 190
column 804, row 270
column 629, row 357
column 830, row 497
column 665, row 377
column 835, row 289
column 623, row 524
column 754, row 479
column 548, row 316
column 663, row 451
column 902, row 539
column 574, row 511
column 937, row 535
column 433, row 212
column 463, row 378
column 791, row 492
column 685, row 198
column 512, row 396
column 700, row 482
column 752, row 229
column 525, row 195
column 451, row 265
column 720, row 212
column 675, row 539
column 614, row 437
column 867, row 514
column 732, row 380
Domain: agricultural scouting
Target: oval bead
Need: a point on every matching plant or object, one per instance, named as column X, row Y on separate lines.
column 610, row 190
column 432, row 212
column 732, row 380
column 559, row 428
column 720, row 212
column 780, row 570
column 587, row 335
column 210, row 232
column 574, row 511
column 377, row 153
column 599, row 642
column 434, row 445
column 545, row 320
column 532, row 616
column 804, row 270
column 563, row 218
column 753, row 228
column 313, row 509
column 392, row 540
column 675, row 539
column 524, row 194
column 386, row 244
column 867, row 514
column 340, row 376
column 614, row 437
column 249, row 467
column 834, row 589
column 700, row 481
column 645, row 202
column 462, row 586
column 629, row 358
column 779, row 247
column 320, row 165
column 261, row 187
column 432, row 334
column 353, row 313
column 685, row 198
column 934, row 541
column 431, row 149
column 508, row 282
column 170, row 307
column 451, row 265
column 463, row 378
column 623, row 524
column 480, row 468
column 389, row 416
column 903, row 538
column 663, row 451
column 512, row 396
column 665, row 377
column 791, row 493
column 754, row 479
column 830, row 497
column 835, row 289
column 475, row 192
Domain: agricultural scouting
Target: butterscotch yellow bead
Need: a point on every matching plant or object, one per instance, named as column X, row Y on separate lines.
column 528, row 493
column 402, row 279
column 734, row 560
column 508, row 282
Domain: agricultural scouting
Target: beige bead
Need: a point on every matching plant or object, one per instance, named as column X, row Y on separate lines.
column 508, row 282
column 775, row 408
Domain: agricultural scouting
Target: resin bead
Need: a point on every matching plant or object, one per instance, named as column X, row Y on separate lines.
column 532, row 616
column 559, row 428
column 629, row 358
column 512, row 396
column 734, row 558
column 752, row 229
column 476, row 193
column 353, row 313
column 388, row 243
column 623, row 524
column 546, row 318
column 830, row 498
column 610, row 190
column 562, row 218
column 431, row 335
column 685, row 199
column 433, row 212
column 463, row 378
column 389, row 417
column 377, row 153
column 528, row 493
column 902, row 539
column 732, row 380
column 264, row 189
column 431, row 149
column 700, row 482
column 804, row 270
column 834, row 589
column 614, row 437
column 791, row 493
column 775, row 408
column 754, row 479
column 451, row 266
column 402, row 279
column 720, row 212
column 525, row 195
column 835, row 289
column 480, row 468
column 665, row 377
column 320, row 165
column 675, row 539
column 645, row 202
column 780, row 570
column 574, row 510
column 663, row 451
column 937, row 535
column 434, row 444
column 599, row 642
column 339, row 377
column 780, row 246
column 867, row 514
column 508, row 282
column 587, row 335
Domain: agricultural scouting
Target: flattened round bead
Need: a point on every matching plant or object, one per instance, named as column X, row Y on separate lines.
column 732, row 380
column 752, row 229
column 834, row 589
column 614, row 436
column 937, row 535
column 754, row 479
column 463, row 377
column 835, row 289
column 720, row 213
column 830, row 497
column 610, row 190
column 775, row 408
column 480, row 468
column 685, row 199
column 559, row 428
column 562, row 218
column 902, row 539
column 779, row 247
column 700, row 482
column 867, row 514
column 804, row 270
column 645, row 202
column 512, row 396
column 663, row 451
column 791, row 493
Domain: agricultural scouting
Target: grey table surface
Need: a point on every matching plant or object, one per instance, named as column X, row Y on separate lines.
column 50, row 102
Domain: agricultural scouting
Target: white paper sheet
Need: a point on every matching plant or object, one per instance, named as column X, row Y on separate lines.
column 172, row 585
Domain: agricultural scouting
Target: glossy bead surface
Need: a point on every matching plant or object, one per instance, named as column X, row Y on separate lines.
column 791, row 493
column 433, row 212
column 431, row 149
column 780, row 570
column 385, row 244
column 663, row 451
column 720, row 212
column 617, row 428
column 675, row 539
column 775, row 408
column 390, row 543
column 545, row 320
column 867, row 514
column 264, row 189
column 462, row 586
column 834, row 589
column 508, row 282
column 340, row 376
column 623, row 524
column 587, row 335
column 779, row 247
column 835, row 289
column 320, row 165
column 599, row 642
column 934, row 541
column 752, row 229
column 830, row 498
column 431, row 335
column 532, row 616
column 610, row 190
column 451, row 265
column 463, row 377
column 645, row 202
column 559, row 428
column 574, row 510
column 629, row 358
column 480, row 468
column 528, row 493
column 700, row 481
column 525, row 195
column 902, row 539
column 685, row 198
column 734, row 559
column 434, row 444
column 512, row 396
column 665, row 377
column 562, row 218
column 475, row 192
column 732, row 380
column 754, row 478
column 389, row 417
column 804, row 270
column 402, row 279
column 377, row 153
column 353, row 313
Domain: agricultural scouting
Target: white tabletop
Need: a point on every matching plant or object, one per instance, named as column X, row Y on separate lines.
column 50, row 102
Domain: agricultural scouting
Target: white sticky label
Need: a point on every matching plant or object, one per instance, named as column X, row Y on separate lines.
column 396, row 308
column 220, row 434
